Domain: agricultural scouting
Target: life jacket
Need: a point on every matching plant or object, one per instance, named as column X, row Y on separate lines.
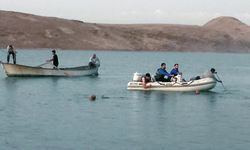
column 158, row 76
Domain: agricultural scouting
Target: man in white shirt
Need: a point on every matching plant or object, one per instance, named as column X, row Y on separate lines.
column 94, row 61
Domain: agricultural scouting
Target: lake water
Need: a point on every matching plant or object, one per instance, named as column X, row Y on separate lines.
column 55, row 113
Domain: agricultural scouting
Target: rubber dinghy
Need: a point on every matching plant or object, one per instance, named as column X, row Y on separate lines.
column 203, row 84
column 17, row 70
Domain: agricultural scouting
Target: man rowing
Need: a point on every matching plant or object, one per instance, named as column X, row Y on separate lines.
column 54, row 59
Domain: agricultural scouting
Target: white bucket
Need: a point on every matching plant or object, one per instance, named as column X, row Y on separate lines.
column 179, row 78
column 137, row 77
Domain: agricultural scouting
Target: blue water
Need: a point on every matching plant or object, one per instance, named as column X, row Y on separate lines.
column 55, row 113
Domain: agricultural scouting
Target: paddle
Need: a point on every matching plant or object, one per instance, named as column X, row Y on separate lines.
column 43, row 64
column 220, row 81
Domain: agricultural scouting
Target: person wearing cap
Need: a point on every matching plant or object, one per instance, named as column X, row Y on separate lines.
column 54, row 59
column 94, row 61
column 11, row 51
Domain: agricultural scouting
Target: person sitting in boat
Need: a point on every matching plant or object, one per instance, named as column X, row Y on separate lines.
column 145, row 80
column 208, row 74
column 94, row 61
column 176, row 73
column 54, row 59
column 175, row 70
column 11, row 51
column 162, row 74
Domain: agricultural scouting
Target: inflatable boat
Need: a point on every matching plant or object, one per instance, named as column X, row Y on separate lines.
column 178, row 85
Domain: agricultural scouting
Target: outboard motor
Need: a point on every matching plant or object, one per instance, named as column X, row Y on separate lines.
column 137, row 77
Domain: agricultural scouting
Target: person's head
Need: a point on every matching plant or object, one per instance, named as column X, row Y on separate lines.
column 163, row 65
column 10, row 46
column 147, row 75
column 94, row 56
column 176, row 66
column 54, row 51
column 212, row 70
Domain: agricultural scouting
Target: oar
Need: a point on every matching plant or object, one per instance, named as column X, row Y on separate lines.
column 43, row 64
column 221, row 81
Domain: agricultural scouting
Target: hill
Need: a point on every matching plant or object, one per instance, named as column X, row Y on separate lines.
column 221, row 34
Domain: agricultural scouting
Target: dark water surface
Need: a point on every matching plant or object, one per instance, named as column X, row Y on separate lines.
column 55, row 113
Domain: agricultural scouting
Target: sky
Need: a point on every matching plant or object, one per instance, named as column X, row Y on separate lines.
column 193, row 12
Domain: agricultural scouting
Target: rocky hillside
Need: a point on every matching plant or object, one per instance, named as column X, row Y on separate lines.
column 30, row 31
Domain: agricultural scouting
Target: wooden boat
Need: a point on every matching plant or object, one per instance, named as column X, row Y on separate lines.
column 203, row 84
column 16, row 70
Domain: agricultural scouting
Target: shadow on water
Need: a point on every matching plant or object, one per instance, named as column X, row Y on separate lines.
column 9, row 83
column 210, row 96
column 53, row 79
column 12, row 81
column 160, row 96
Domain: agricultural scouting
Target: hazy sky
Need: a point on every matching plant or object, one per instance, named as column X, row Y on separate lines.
column 134, row 11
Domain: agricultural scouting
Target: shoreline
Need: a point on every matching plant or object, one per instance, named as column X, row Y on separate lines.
column 113, row 50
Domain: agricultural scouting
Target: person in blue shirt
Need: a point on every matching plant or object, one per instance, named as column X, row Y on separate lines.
column 162, row 74
column 175, row 70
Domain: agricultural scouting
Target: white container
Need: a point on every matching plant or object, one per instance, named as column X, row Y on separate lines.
column 179, row 78
column 137, row 77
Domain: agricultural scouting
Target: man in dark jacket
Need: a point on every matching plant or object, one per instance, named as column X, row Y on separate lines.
column 54, row 59
column 162, row 74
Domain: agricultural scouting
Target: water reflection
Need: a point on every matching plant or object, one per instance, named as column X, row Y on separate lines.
column 9, row 88
column 211, row 96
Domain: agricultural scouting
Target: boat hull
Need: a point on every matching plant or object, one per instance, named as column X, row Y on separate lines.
column 15, row 70
column 204, row 84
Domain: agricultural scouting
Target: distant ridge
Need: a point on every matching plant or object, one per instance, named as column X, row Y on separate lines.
column 238, row 30
column 224, row 21
column 222, row 34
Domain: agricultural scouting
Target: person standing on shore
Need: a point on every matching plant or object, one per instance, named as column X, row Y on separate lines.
column 11, row 51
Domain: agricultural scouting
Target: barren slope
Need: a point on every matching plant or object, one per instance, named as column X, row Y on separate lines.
column 31, row 31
